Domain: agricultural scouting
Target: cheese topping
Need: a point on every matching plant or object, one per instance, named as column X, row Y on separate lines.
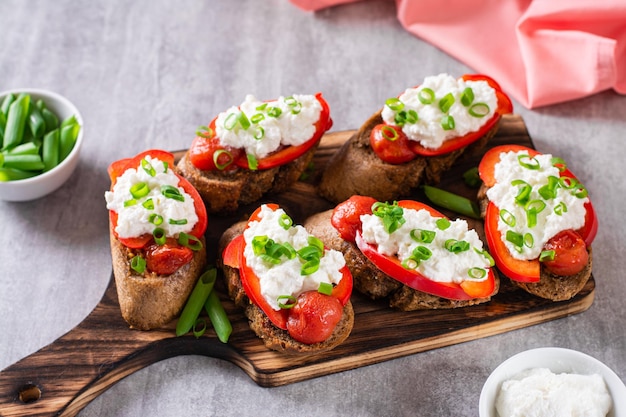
column 285, row 278
column 515, row 174
column 447, row 263
column 150, row 207
column 262, row 127
column 439, row 110
column 539, row 392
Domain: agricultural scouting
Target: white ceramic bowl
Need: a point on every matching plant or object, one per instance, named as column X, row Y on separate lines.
column 558, row 360
column 40, row 185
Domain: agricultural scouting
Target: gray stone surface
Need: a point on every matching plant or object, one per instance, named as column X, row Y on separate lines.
column 147, row 73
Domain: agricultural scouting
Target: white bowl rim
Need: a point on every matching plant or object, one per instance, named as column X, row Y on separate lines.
column 43, row 92
column 504, row 371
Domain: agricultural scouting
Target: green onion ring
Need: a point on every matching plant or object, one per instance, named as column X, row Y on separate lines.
column 447, row 122
column 261, row 107
column 446, row 102
column 467, row 97
column 285, row 221
column 291, row 301
column 147, row 167
column 148, row 204
column 129, row 203
column 159, row 236
column 138, row 264
column 423, row 236
column 456, row 246
column 389, row 133
column 426, row 95
column 325, row 288
column 274, row 112
column 218, row 154
column 205, row 132
column 231, row 121
column 243, row 121
column 547, row 255
column 258, row 117
column 529, row 240
column 155, row 219
column 410, row 263
column 560, row 208
column 140, row 189
column 172, row 192
column 422, row 253
column 527, row 161
column 253, row 164
column 259, row 133
column 442, row 223
column 190, row 241
column 559, row 163
column 478, row 110
column 507, row 217
column 199, row 327
column 476, row 273
column 515, row 238
column 394, row 104
column 411, row 116
column 177, row 222
column 487, row 255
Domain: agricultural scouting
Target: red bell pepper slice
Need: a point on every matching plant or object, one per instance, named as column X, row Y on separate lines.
column 392, row 266
column 520, row 270
column 203, row 155
column 233, row 256
column 117, row 168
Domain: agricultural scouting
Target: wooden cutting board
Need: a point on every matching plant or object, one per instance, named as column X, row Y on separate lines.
column 61, row 378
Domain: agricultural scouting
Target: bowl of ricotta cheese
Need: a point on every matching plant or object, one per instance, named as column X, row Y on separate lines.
column 552, row 382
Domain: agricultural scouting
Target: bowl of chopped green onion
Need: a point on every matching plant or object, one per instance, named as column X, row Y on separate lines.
column 41, row 133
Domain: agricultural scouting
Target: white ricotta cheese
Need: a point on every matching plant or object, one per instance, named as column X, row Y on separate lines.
column 539, row 392
column 285, row 121
column 443, row 265
column 549, row 222
column 428, row 130
column 134, row 219
column 285, row 278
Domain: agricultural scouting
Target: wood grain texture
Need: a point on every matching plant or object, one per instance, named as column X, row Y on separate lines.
column 63, row 377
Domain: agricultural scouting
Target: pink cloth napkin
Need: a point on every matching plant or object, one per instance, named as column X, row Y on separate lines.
column 540, row 51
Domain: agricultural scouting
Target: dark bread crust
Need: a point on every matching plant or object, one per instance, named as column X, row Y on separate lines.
column 151, row 301
column 550, row 286
column 224, row 192
column 273, row 337
column 371, row 281
column 356, row 169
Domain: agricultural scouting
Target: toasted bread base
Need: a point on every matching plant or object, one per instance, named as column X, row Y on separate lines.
column 151, row 301
column 356, row 170
column 224, row 192
column 550, row 286
column 273, row 337
column 371, row 281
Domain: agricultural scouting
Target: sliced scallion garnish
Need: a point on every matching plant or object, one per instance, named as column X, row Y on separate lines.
column 325, row 288
column 426, row 95
column 290, row 301
column 147, row 167
column 456, row 246
column 467, row 97
column 172, row 192
column 442, row 223
column 148, row 204
column 447, row 122
column 155, row 219
column 529, row 162
column 478, row 110
column 476, row 273
column 253, row 163
column 389, row 133
column 285, row 221
column 446, row 102
column 177, row 222
column 159, row 236
column 222, row 159
column 547, row 255
column 138, row 264
column 394, row 104
column 423, row 236
column 139, row 189
column 190, row 241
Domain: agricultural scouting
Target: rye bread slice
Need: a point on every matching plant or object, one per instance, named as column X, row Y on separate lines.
column 150, row 301
column 224, row 192
column 550, row 286
column 372, row 282
column 273, row 337
column 356, row 170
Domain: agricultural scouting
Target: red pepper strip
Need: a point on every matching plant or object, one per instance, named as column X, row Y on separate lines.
column 515, row 269
column 117, row 168
column 392, row 266
column 504, row 107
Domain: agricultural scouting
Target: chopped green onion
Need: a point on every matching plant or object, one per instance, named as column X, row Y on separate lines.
column 515, row 238
column 217, row 315
column 165, row 167
column 476, row 273
column 442, row 223
column 148, row 204
column 290, row 301
column 447, row 122
column 536, row 205
column 559, row 163
column 411, row 116
column 231, row 121
column 529, row 162
column 274, row 112
column 199, row 327
column 295, row 105
column 560, row 208
column 257, row 118
column 253, row 164
column 309, row 252
column 472, row 178
column 159, row 236
column 523, row 193
column 389, row 133
column 426, row 95
column 261, row 107
column 325, row 288
column 177, row 222
column 451, row 201
column 259, row 133
column 394, row 104
column 196, row 300
column 155, row 219
column 316, row 242
column 129, row 203
column 243, row 121
column 529, row 240
column 138, row 264
column 423, row 236
column 422, row 253
column 549, row 191
column 139, row 189
column 285, row 221
column 547, row 255
column 172, row 192
column 410, row 263
column 147, row 167
column 218, row 155
column 507, row 217
column 467, row 97
column 50, row 150
column 392, row 215
column 446, row 102
column 456, row 246
column 478, row 110
column 487, row 255
column 190, row 241
column 205, row 132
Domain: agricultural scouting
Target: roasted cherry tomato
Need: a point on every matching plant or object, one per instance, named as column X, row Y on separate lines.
column 202, row 151
column 391, row 144
column 233, row 256
column 392, row 266
column 520, row 270
column 167, row 258
column 346, row 217
column 570, row 253
column 314, row 317
column 223, row 157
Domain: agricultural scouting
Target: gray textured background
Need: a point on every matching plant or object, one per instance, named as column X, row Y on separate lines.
column 146, row 73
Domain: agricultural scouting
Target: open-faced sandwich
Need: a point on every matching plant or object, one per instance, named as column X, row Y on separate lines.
column 409, row 253
column 539, row 221
column 415, row 138
column 295, row 292
column 254, row 149
column 157, row 222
